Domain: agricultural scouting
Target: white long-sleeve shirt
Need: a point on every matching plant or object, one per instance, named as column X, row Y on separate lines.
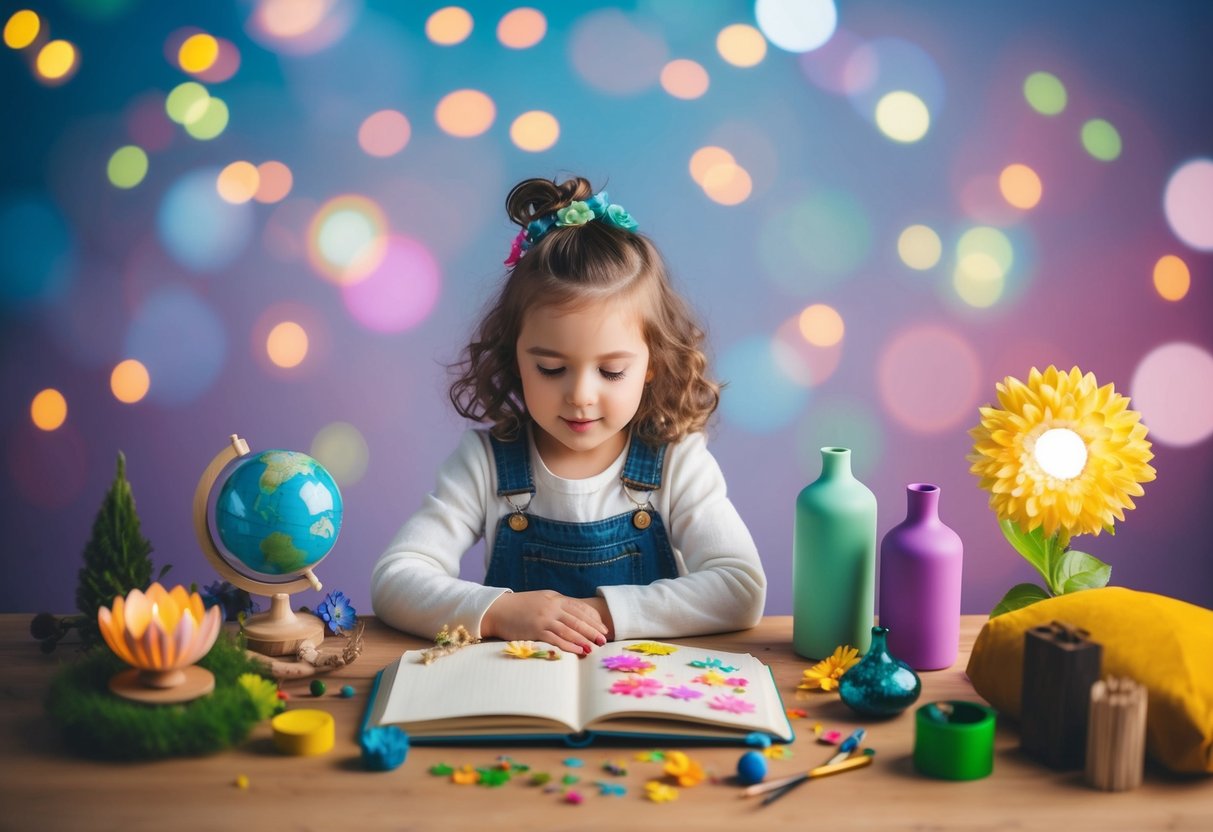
column 720, row 586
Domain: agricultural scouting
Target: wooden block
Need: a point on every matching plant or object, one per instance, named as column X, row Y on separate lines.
column 1116, row 735
column 1060, row 664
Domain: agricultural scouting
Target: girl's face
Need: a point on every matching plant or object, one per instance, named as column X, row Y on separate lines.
column 583, row 372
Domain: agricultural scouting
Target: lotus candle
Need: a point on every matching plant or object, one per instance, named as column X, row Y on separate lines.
column 161, row 634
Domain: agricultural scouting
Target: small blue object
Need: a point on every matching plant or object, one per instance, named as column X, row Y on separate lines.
column 751, row 768
column 347, row 691
column 574, row 762
column 758, row 740
column 384, row 748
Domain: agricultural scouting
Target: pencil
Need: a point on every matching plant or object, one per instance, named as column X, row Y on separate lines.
column 857, row 761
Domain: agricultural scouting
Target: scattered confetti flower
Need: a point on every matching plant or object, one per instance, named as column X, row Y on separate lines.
column 627, row 664
column 441, row 770
column 713, row 678
column 731, row 704
column 825, row 674
column 683, row 769
column 540, row 778
column 573, row 797
column 654, row 756
column 682, row 692
column 637, row 686
column 616, row 768
column 570, row 779
column 610, row 789
column 242, row 781
column 830, row 737
column 710, row 662
column 797, row 713
column 652, row 648
column 777, row 752
column 465, row 776
column 659, row 792
column 574, row 762
column 493, row 776
column 337, row 612
column 737, row 682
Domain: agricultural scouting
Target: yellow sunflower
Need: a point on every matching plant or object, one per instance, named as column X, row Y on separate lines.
column 1063, row 454
column 825, row 674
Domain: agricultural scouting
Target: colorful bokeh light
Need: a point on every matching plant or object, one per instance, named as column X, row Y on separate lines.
column 238, row 182
column 384, row 133
column 342, row 449
column 1020, row 186
column 616, row 53
column 1172, row 388
column 919, row 247
column 198, row 228
column 287, row 345
column 449, row 26
column 1045, row 93
column 760, row 397
column 130, row 381
column 48, row 410
column 274, row 182
column 929, row 377
column 797, row 25
column 187, row 102
column 815, row 242
column 535, row 131
column 1187, row 201
column 741, row 45
column 902, row 116
column 727, row 184
column 198, row 53
column 1101, row 140
column 400, row 293
column 22, row 29
column 821, row 325
column 465, row 113
column 706, row 158
column 1172, row 278
column 127, row 166
column 684, row 78
column 180, row 340
column 521, row 28
column 210, row 122
column 347, row 238
column 57, row 61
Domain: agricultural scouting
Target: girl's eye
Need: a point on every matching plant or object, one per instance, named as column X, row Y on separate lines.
column 609, row 376
column 549, row 371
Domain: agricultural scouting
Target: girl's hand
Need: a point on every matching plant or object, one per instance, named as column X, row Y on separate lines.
column 545, row 615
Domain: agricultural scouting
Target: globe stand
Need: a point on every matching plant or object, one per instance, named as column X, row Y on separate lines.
column 278, row 632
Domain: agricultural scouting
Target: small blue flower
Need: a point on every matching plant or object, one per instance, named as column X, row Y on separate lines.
column 337, row 611
column 618, row 217
column 232, row 600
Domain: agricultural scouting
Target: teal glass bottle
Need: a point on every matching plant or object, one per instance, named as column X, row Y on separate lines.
column 881, row 684
column 833, row 560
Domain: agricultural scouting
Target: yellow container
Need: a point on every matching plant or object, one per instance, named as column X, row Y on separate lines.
column 303, row 732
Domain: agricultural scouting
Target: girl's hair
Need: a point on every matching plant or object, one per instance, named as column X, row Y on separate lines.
column 569, row 267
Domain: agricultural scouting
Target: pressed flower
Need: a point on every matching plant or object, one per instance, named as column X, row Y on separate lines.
column 1104, row 473
column 659, row 792
column 652, row 756
column 575, row 213
column 627, row 664
column 825, row 674
column 682, row 692
column 683, row 769
column 652, row 648
column 520, row 649
column 731, row 704
column 637, row 686
column 713, row 678
column 337, row 612
column 715, row 664
column 465, row 776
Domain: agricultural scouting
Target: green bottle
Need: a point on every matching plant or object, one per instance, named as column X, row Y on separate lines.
column 833, row 561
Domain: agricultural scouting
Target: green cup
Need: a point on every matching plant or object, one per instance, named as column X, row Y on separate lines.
column 954, row 740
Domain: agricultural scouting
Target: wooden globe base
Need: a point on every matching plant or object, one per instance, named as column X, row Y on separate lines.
column 132, row 684
column 280, row 632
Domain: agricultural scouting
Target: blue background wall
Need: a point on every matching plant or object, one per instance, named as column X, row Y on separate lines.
column 168, row 274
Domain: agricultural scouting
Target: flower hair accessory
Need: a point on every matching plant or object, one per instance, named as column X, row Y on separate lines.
column 597, row 207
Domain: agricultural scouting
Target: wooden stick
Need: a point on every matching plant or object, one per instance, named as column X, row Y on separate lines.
column 1116, row 735
column 857, row 761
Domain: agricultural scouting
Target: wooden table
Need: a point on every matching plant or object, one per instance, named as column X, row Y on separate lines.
column 43, row 787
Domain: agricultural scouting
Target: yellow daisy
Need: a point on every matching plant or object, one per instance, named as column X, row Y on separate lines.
column 825, row 674
column 1062, row 454
column 520, row 649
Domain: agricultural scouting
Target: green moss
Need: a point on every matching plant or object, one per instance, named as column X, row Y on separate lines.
column 96, row 723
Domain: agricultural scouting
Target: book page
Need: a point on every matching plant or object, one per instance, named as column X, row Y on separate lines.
column 730, row 690
column 478, row 688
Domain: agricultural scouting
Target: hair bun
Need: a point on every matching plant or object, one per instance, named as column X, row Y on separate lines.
column 534, row 198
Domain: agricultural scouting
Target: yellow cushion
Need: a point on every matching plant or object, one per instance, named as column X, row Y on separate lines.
column 1161, row 642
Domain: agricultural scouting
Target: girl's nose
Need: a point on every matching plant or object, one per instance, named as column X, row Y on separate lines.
column 582, row 391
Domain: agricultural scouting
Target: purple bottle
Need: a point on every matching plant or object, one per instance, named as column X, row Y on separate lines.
column 920, row 562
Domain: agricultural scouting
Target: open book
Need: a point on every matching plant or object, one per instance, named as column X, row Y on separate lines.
column 638, row 690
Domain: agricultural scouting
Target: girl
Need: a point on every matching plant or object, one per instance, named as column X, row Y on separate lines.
column 605, row 516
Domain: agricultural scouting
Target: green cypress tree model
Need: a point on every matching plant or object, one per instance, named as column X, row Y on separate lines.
column 115, row 562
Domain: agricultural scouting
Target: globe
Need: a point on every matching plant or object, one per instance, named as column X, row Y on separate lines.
column 278, row 512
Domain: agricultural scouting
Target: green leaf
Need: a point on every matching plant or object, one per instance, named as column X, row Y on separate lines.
column 1078, row 570
column 1020, row 595
column 1040, row 551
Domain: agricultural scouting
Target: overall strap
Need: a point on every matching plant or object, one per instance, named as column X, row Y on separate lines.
column 642, row 469
column 513, row 461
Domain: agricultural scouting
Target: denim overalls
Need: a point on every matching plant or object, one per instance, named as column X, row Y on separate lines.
column 575, row 559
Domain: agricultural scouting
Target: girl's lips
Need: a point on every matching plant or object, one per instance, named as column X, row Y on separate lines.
column 580, row 426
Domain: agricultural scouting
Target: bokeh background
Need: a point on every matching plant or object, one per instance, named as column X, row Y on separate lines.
column 281, row 218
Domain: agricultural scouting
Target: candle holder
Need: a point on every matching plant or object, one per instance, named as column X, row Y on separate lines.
column 161, row 634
